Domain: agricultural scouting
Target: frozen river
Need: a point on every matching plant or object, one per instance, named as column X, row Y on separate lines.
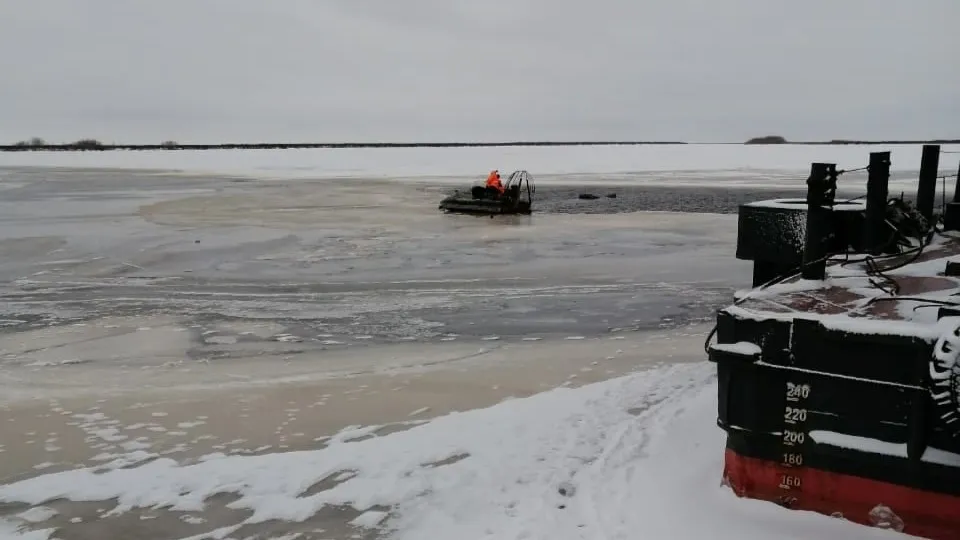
column 333, row 264
column 187, row 355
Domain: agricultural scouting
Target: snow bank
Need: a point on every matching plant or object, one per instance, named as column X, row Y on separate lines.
column 756, row 165
column 638, row 456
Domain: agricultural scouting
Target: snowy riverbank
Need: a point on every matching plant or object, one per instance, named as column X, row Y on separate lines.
column 635, row 456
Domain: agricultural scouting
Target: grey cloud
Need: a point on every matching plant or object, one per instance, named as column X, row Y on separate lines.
column 205, row 70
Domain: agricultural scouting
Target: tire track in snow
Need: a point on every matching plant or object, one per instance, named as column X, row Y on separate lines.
column 630, row 441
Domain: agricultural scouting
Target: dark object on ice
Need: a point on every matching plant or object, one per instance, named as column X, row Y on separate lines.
column 611, row 195
column 517, row 198
column 587, row 196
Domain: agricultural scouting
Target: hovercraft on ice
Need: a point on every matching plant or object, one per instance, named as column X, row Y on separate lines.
column 515, row 196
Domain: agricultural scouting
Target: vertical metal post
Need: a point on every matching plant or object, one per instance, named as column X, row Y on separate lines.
column 951, row 216
column 875, row 227
column 956, row 186
column 820, row 193
column 927, row 188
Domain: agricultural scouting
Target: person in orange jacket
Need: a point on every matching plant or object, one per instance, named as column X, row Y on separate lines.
column 493, row 181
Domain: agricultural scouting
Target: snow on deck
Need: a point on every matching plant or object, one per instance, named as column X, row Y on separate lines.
column 876, row 446
column 847, row 300
column 741, row 347
column 638, row 456
column 801, row 205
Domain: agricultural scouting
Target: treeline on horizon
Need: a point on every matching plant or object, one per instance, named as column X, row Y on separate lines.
column 38, row 144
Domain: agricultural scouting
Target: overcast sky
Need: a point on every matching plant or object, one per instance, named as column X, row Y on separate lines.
column 416, row 70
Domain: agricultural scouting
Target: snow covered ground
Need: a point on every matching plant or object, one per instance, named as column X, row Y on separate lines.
column 634, row 457
column 197, row 356
column 689, row 164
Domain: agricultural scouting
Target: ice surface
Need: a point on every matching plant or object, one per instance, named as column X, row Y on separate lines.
column 638, row 453
column 249, row 275
column 37, row 514
column 175, row 262
column 745, row 165
column 11, row 530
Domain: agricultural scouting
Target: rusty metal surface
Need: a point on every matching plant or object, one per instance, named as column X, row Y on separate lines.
column 848, row 290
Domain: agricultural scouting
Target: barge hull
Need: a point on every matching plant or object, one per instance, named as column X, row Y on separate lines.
column 479, row 209
column 862, row 500
column 839, row 372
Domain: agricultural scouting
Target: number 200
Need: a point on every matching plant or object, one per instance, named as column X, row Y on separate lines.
column 793, row 437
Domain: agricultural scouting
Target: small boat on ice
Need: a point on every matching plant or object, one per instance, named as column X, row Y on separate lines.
column 516, row 198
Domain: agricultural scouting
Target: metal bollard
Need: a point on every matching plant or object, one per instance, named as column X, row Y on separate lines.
column 875, row 233
column 821, row 190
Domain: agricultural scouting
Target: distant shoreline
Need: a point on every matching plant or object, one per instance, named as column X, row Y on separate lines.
column 74, row 147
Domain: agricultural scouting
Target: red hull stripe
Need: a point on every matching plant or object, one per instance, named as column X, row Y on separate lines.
column 916, row 512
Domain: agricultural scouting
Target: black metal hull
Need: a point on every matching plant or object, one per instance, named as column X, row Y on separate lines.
column 466, row 205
